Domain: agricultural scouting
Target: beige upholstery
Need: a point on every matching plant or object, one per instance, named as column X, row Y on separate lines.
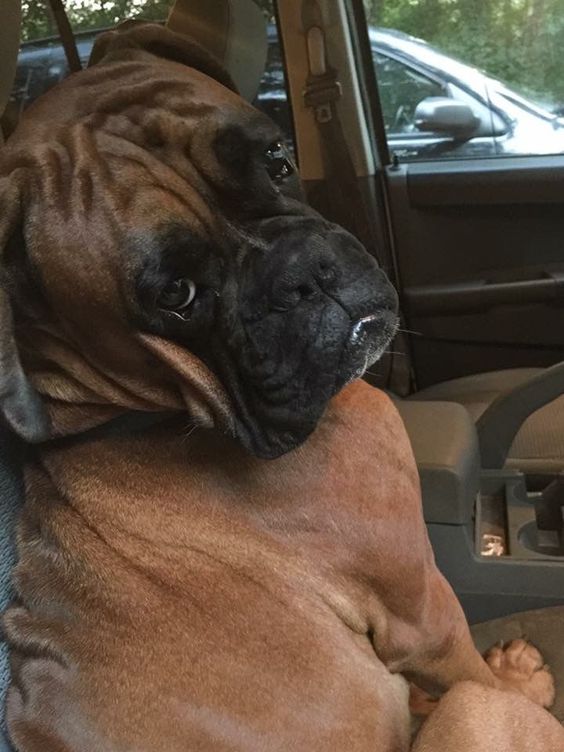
column 234, row 31
column 539, row 445
column 10, row 24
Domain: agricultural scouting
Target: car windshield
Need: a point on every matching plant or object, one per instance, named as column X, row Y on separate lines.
column 511, row 96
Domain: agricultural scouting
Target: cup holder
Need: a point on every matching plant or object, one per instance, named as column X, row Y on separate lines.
column 529, row 538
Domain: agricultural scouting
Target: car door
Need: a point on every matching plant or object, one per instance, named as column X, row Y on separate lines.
column 479, row 243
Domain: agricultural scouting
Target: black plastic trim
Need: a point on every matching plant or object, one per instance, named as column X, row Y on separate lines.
column 495, row 181
column 481, row 295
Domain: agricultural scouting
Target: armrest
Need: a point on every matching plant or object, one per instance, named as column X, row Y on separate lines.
column 445, row 445
column 499, row 424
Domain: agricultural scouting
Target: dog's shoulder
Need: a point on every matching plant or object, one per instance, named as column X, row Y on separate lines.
column 365, row 423
column 367, row 407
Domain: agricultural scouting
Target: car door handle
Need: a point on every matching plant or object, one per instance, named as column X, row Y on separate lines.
column 481, row 295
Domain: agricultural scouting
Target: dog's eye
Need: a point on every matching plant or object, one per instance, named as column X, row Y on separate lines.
column 177, row 296
column 278, row 166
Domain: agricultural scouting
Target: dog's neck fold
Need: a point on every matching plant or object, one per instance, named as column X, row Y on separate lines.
column 163, row 377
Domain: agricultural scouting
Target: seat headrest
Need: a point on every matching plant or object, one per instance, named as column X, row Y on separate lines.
column 234, row 31
column 10, row 26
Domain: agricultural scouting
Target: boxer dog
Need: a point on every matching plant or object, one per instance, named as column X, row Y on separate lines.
column 222, row 546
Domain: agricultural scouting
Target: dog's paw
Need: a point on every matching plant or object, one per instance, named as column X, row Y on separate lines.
column 519, row 665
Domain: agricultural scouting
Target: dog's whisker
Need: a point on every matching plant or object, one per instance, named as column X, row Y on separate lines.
column 189, row 429
column 190, row 424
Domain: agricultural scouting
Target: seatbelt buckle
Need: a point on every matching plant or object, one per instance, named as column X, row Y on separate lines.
column 320, row 94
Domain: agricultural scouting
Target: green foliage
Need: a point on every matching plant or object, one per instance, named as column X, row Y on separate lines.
column 96, row 14
column 88, row 14
column 519, row 41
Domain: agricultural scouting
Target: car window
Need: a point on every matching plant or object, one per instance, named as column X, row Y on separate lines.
column 42, row 62
column 401, row 90
column 41, row 65
column 272, row 96
column 452, row 77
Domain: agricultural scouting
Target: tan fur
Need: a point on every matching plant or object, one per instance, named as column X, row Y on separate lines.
column 176, row 593
column 473, row 717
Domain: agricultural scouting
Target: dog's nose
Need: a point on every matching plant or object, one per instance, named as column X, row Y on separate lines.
column 304, row 280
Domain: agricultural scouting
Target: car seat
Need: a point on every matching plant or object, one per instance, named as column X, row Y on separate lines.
column 538, row 446
column 11, row 492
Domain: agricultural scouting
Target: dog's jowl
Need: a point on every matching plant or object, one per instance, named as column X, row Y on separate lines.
column 222, row 546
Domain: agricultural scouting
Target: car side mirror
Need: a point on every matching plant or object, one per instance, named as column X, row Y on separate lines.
column 448, row 116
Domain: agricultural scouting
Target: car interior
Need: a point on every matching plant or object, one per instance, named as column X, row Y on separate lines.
column 475, row 250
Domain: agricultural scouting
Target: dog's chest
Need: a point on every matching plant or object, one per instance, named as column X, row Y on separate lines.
column 188, row 512
column 192, row 571
column 180, row 587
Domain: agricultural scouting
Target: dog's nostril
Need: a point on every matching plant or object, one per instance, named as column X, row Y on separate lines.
column 306, row 291
column 326, row 273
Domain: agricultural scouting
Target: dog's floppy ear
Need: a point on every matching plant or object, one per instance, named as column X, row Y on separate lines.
column 20, row 404
column 157, row 40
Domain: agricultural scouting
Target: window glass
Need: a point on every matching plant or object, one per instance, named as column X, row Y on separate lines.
column 42, row 62
column 272, row 96
column 401, row 90
column 87, row 15
column 469, row 78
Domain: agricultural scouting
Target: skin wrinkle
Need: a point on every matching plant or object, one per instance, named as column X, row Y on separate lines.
column 109, row 390
column 161, row 584
column 130, row 70
column 135, row 94
column 83, row 152
column 191, row 547
column 267, row 383
column 34, row 646
column 272, row 388
column 148, row 541
column 289, row 378
column 196, row 114
column 53, row 165
column 196, row 207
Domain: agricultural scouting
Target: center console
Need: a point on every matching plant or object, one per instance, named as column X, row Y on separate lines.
column 500, row 546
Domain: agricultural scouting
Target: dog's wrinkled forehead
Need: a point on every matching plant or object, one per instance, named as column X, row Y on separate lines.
column 154, row 145
column 145, row 75
column 164, row 109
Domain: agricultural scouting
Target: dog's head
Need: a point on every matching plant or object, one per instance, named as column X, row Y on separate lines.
column 145, row 203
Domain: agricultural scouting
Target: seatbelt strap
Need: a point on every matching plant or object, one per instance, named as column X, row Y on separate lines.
column 67, row 37
column 347, row 202
column 321, row 93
